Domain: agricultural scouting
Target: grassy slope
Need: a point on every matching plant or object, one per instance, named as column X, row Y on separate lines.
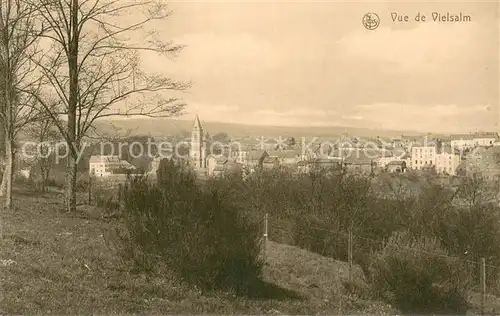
column 64, row 266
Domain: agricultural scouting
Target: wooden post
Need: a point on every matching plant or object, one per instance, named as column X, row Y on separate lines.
column 483, row 284
column 265, row 237
column 90, row 188
column 349, row 254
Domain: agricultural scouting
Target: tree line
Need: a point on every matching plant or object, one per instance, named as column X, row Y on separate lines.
column 419, row 251
column 66, row 64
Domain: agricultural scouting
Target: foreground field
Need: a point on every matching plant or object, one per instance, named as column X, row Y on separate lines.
column 58, row 263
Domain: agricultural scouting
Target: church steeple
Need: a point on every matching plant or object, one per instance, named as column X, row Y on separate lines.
column 198, row 146
column 197, row 124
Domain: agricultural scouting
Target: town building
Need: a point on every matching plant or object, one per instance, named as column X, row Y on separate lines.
column 406, row 157
column 229, row 159
column 408, row 141
column 397, row 143
column 385, row 158
column 376, row 142
column 360, row 166
column 321, row 165
column 462, row 141
column 485, row 139
column 467, row 141
column 104, row 166
column 253, row 159
column 239, row 155
column 287, row 157
column 447, row 162
column 214, row 163
column 225, row 167
column 423, row 156
column 270, row 163
column 396, row 166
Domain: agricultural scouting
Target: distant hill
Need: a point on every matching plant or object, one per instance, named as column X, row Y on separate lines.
column 166, row 127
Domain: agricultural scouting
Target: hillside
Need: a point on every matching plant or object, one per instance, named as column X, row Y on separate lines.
column 163, row 127
column 59, row 263
column 53, row 262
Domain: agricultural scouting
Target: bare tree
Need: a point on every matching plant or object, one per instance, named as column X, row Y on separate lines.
column 43, row 131
column 19, row 38
column 94, row 67
column 393, row 186
column 476, row 190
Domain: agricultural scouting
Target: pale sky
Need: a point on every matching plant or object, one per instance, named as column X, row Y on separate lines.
column 314, row 64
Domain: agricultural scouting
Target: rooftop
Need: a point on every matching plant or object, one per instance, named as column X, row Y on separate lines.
column 486, row 135
column 256, row 154
column 218, row 158
column 461, row 137
column 474, row 135
column 270, row 160
column 104, row 159
column 396, row 163
column 367, row 154
column 289, row 153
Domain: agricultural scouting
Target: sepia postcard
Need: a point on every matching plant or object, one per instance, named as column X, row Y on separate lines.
column 259, row 157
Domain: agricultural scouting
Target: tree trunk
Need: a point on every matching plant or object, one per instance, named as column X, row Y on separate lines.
column 8, row 173
column 2, row 185
column 70, row 188
column 6, row 188
column 45, row 175
column 44, row 162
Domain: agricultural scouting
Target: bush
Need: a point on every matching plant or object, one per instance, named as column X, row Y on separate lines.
column 417, row 276
column 106, row 199
column 105, row 195
column 22, row 180
column 52, row 182
column 317, row 236
column 57, row 179
column 82, row 183
column 199, row 232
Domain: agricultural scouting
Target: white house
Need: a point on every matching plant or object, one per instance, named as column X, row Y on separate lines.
column 481, row 139
column 239, row 156
column 462, row 142
column 103, row 166
column 215, row 162
column 485, row 139
column 423, row 156
column 447, row 162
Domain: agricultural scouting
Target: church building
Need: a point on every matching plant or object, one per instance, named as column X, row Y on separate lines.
column 198, row 150
column 204, row 163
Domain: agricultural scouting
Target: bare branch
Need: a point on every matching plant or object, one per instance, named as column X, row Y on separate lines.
column 19, row 36
column 108, row 65
column 93, row 66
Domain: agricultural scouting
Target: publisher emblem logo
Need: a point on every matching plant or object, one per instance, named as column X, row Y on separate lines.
column 371, row 21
